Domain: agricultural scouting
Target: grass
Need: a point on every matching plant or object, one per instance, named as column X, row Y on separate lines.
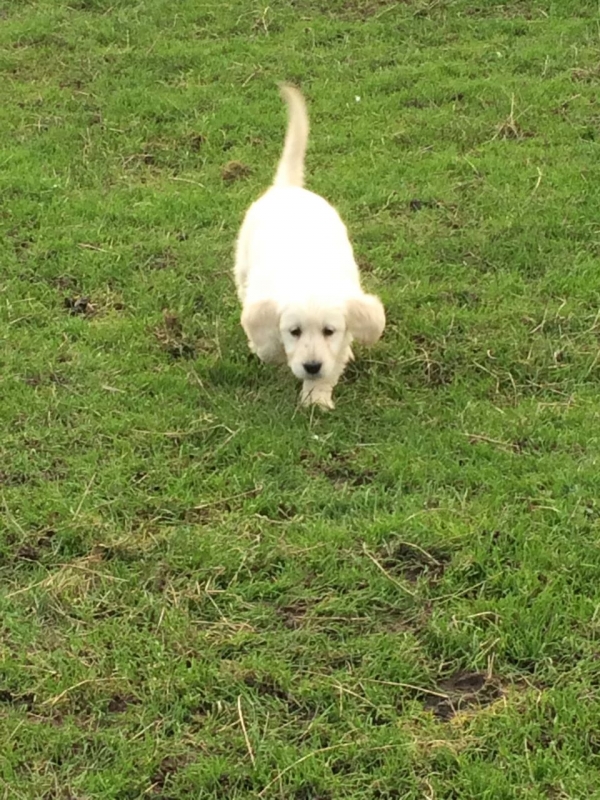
column 207, row 592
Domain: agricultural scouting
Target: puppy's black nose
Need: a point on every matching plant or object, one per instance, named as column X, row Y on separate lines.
column 312, row 367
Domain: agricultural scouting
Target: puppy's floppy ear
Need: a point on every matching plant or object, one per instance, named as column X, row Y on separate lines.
column 260, row 321
column 365, row 318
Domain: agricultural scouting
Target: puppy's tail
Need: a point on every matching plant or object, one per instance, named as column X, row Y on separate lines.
column 290, row 171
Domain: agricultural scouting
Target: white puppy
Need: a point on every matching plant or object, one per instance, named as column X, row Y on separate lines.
column 296, row 276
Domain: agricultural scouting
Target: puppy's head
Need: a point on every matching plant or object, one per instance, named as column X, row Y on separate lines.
column 316, row 336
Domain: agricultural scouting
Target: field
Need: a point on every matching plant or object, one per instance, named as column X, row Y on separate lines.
column 207, row 591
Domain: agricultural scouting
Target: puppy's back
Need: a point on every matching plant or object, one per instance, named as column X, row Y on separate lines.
column 297, row 241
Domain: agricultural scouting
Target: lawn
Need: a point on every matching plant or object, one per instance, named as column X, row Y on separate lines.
column 207, row 591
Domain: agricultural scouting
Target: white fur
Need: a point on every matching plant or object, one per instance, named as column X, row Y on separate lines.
column 296, row 276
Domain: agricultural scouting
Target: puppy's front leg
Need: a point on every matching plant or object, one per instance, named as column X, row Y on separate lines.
column 317, row 393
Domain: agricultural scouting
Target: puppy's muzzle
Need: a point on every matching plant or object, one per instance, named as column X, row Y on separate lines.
column 312, row 367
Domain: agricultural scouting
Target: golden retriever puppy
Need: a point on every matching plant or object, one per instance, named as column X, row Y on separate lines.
column 296, row 275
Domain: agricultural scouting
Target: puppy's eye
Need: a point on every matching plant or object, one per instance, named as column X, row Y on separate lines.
column 328, row 331
column 296, row 332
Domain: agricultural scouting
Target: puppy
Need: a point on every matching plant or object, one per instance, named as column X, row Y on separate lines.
column 296, row 276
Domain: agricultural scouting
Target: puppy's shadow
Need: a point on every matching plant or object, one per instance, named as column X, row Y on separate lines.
column 355, row 371
column 241, row 371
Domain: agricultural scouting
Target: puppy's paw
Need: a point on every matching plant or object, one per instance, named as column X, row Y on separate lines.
column 317, row 396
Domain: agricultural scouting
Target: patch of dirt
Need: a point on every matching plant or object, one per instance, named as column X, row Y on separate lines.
column 160, row 580
column 413, row 562
column 292, row 615
column 119, row 703
column 12, row 479
column 522, row 445
column 172, row 338
column 54, row 718
column 365, row 266
column 267, row 686
column 377, row 719
column 341, row 660
column 65, row 283
column 227, row 786
column 126, row 555
column 197, row 141
column 21, row 246
column 72, row 83
column 197, row 715
column 511, row 129
column 462, row 691
column 167, row 767
column 462, row 298
column 514, row 10
column 140, row 158
column 588, row 75
column 46, row 536
column 34, row 551
column 339, row 468
column 27, row 553
column 308, row 791
column 38, row 379
column 387, row 794
column 437, row 373
column 13, row 699
column 235, row 171
column 416, row 204
column 79, row 306
column 208, row 512
column 57, row 471
column 342, row 766
column 59, row 794
column 361, row 9
column 285, row 511
column 394, row 624
column 160, row 261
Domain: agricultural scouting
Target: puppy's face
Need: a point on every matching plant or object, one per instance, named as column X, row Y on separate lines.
column 313, row 339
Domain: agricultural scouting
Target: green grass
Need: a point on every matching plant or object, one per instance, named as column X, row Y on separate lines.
column 398, row 599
